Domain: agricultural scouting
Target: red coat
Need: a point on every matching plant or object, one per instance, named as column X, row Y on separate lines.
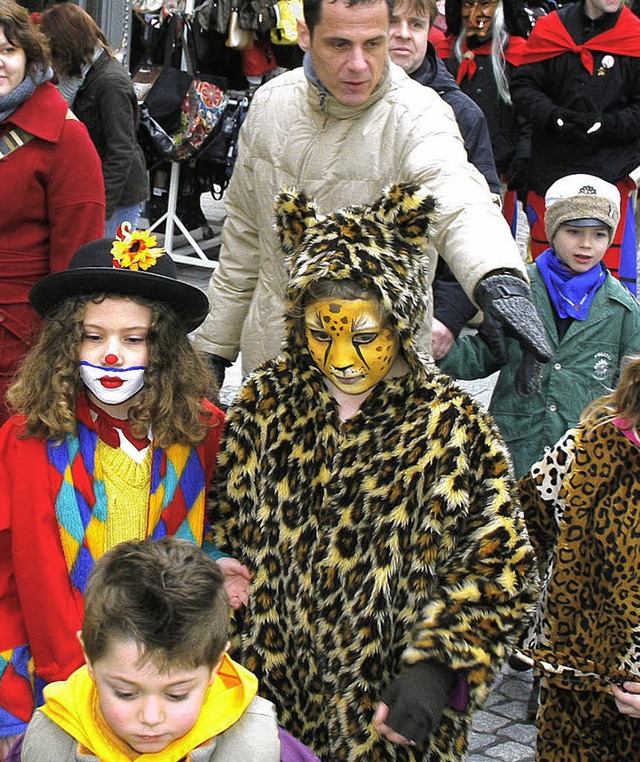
column 51, row 202
column 38, row 604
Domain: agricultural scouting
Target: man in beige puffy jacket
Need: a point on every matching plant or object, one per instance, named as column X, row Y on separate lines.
column 344, row 126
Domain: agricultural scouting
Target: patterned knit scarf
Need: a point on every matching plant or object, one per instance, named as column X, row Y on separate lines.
column 176, row 499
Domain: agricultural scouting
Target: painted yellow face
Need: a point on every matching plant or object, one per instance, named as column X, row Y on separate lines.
column 349, row 343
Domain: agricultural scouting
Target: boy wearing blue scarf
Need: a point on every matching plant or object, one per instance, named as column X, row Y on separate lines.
column 592, row 322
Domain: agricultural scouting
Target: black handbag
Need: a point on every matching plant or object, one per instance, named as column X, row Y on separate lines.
column 154, row 140
column 163, row 88
column 257, row 16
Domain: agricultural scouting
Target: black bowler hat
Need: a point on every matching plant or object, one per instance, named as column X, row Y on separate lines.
column 133, row 266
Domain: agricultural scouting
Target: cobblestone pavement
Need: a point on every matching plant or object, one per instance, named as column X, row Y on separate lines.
column 500, row 731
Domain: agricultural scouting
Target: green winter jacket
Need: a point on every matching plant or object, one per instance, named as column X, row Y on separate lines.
column 584, row 366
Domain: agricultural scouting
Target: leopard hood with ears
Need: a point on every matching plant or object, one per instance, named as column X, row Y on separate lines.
column 383, row 247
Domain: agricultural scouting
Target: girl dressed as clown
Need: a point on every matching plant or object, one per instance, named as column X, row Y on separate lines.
column 113, row 438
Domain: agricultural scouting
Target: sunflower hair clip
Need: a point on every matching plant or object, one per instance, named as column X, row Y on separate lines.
column 135, row 249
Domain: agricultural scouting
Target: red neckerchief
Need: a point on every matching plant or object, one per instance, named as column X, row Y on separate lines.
column 551, row 38
column 468, row 66
column 105, row 425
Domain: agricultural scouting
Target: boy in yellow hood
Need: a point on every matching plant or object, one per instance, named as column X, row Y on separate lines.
column 158, row 685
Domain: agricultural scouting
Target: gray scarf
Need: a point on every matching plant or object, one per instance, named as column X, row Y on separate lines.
column 11, row 101
column 310, row 73
column 69, row 86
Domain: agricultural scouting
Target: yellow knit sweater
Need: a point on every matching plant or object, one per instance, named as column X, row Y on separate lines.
column 127, row 484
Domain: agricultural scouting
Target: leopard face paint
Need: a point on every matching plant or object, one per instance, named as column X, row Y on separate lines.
column 349, row 342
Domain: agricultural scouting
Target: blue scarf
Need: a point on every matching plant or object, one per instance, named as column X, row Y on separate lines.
column 13, row 100
column 571, row 294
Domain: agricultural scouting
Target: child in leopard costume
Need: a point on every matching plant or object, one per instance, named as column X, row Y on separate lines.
column 581, row 506
column 373, row 501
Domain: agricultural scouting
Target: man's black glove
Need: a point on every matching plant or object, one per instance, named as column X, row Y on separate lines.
column 563, row 120
column 528, row 376
column 508, row 310
column 608, row 127
column 417, row 698
column 218, row 366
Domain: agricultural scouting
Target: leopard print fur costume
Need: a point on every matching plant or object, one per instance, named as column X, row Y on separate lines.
column 580, row 502
column 375, row 542
column 581, row 507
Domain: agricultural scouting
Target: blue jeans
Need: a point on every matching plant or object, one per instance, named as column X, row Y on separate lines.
column 122, row 213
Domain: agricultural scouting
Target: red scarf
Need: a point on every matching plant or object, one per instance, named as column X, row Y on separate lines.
column 107, row 426
column 551, row 38
column 468, row 66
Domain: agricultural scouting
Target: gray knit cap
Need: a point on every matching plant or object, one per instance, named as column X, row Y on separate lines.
column 583, row 200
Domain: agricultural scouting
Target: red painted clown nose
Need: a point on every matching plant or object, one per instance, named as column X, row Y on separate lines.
column 111, row 359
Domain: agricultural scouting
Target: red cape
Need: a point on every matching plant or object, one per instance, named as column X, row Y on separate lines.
column 551, row 38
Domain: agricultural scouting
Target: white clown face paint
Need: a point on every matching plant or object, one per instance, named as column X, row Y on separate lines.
column 113, row 386
column 114, row 351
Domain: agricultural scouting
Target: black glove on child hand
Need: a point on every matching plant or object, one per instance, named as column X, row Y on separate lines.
column 508, row 311
column 417, row 698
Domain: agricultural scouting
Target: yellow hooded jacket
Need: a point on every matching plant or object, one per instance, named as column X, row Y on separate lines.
column 72, row 705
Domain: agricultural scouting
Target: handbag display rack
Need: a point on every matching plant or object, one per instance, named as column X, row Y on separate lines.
column 171, row 220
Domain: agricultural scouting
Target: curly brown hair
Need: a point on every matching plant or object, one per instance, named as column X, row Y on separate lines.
column 175, row 382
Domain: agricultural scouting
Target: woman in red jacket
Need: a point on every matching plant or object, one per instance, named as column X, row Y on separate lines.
column 51, row 187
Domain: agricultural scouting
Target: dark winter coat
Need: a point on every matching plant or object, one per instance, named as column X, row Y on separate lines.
column 504, row 127
column 472, row 122
column 611, row 93
column 451, row 305
column 106, row 103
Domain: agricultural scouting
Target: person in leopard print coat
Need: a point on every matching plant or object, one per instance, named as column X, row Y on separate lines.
column 581, row 507
column 373, row 501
